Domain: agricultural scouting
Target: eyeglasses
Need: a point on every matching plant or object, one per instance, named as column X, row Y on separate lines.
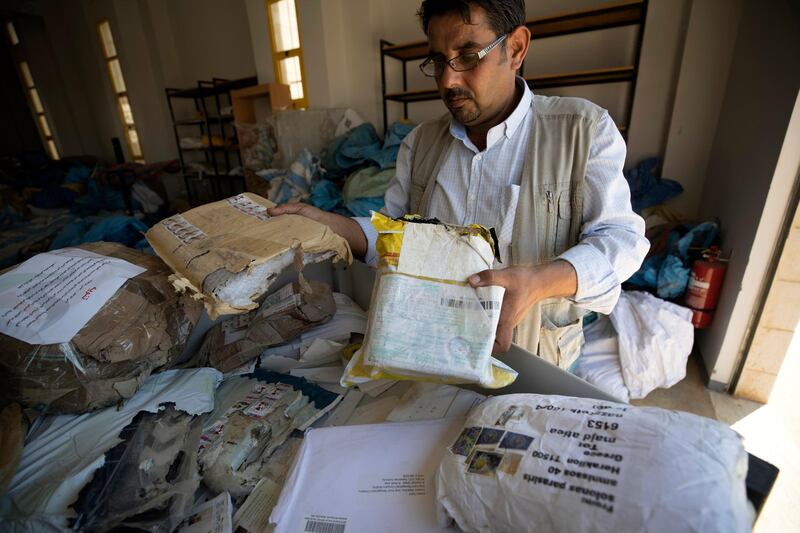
column 435, row 67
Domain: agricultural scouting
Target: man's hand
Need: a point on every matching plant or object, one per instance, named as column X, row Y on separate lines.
column 525, row 286
column 344, row 226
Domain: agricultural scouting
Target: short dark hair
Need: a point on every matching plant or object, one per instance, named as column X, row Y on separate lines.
column 503, row 15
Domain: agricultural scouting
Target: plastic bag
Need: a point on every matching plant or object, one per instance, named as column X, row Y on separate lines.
column 526, row 462
column 426, row 323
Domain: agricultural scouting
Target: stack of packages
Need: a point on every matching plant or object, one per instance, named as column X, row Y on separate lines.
column 84, row 328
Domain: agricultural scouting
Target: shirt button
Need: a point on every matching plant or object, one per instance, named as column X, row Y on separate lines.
column 472, row 197
column 477, row 158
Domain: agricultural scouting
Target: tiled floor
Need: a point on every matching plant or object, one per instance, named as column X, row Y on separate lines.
column 770, row 431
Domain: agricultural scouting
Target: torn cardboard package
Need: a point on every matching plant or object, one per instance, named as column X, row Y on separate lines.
column 143, row 325
column 147, row 481
column 228, row 253
column 285, row 314
column 426, row 322
column 248, row 436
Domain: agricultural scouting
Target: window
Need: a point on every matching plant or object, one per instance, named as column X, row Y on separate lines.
column 12, row 33
column 120, row 90
column 38, row 109
column 287, row 55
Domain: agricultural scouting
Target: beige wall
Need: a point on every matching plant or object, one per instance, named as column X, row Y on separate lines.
column 747, row 186
column 707, row 55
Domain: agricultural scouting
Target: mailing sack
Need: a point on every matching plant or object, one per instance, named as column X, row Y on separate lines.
column 285, row 314
column 142, row 327
column 526, row 462
column 228, row 253
column 426, row 322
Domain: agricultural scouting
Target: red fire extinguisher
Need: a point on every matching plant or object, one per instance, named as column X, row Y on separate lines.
column 703, row 289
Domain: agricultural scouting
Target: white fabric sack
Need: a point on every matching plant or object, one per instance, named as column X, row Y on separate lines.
column 655, row 340
column 599, row 360
column 528, row 462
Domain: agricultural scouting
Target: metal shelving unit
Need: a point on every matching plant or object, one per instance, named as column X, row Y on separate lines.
column 632, row 13
column 209, row 97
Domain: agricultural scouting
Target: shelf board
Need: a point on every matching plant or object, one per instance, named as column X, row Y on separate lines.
column 221, row 87
column 611, row 16
column 204, row 148
column 584, row 77
column 571, row 79
column 200, row 121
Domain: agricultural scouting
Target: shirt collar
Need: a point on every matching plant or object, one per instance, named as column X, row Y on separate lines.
column 508, row 127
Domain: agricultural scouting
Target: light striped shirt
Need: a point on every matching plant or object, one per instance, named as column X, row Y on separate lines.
column 482, row 187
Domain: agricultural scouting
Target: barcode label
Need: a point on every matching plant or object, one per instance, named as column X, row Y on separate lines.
column 325, row 525
column 248, row 207
column 182, row 229
column 462, row 303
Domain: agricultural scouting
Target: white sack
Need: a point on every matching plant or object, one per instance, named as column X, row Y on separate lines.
column 528, row 462
column 599, row 360
column 655, row 340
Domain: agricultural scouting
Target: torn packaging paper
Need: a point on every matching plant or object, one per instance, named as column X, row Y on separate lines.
column 295, row 308
column 227, row 253
column 247, row 437
column 142, row 327
column 426, row 322
column 61, row 455
column 526, row 462
column 12, row 436
column 148, row 480
column 366, row 478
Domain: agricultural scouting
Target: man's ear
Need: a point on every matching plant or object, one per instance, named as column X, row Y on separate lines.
column 518, row 42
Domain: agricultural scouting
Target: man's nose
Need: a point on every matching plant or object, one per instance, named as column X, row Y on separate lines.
column 450, row 78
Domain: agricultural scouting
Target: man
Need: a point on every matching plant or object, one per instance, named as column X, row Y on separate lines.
column 545, row 172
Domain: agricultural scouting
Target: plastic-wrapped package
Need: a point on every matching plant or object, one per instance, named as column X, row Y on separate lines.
column 248, row 435
column 144, row 326
column 228, row 253
column 528, row 462
column 295, row 308
column 426, row 322
column 148, row 480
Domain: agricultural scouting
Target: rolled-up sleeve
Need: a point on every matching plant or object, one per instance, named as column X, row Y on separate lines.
column 612, row 244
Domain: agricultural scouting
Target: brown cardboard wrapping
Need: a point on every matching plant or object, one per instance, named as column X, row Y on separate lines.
column 295, row 308
column 143, row 327
column 210, row 245
column 12, row 438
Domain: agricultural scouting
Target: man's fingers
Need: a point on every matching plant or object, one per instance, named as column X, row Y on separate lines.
column 503, row 337
column 486, row 278
column 286, row 209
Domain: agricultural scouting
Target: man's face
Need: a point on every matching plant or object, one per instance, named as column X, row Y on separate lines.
column 473, row 96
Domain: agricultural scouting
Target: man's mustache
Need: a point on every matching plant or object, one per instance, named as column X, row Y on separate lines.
column 456, row 92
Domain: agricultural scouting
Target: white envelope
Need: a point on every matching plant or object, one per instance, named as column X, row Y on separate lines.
column 377, row 477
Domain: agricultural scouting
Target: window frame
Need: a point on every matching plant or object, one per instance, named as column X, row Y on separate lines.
column 300, row 103
column 40, row 117
column 119, row 95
